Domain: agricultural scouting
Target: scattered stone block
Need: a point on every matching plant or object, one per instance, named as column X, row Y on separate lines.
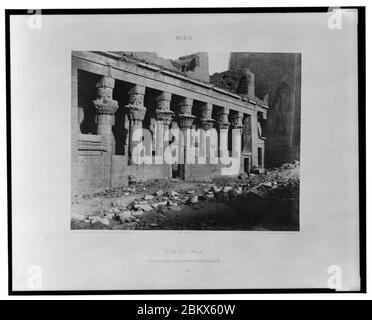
column 144, row 206
column 216, row 189
column 163, row 203
column 137, row 213
column 173, row 193
column 243, row 175
column 109, row 215
column 105, row 221
column 193, row 199
column 159, row 193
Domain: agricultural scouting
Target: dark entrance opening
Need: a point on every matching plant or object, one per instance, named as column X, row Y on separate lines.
column 247, row 165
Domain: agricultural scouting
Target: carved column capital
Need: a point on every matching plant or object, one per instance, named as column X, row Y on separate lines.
column 237, row 121
column 186, row 106
column 206, row 111
column 137, row 110
column 206, row 116
column 137, row 89
column 163, row 112
column 207, row 124
column 165, row 116
column 163, row 101
column 186, row 121
column 186, row 118
column 104, row 104
column 222, row 119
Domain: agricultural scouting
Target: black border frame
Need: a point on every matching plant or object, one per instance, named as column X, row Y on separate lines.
column 361, row 141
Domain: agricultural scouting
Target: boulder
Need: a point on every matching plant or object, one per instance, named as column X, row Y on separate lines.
column 193, row 199
column 267, row 184
column 143, row 205
column 105, row 221
column 133, row 205
column 159, row 193
column 216, row 189
column 243, row 175
column 172, row 204
column 210, row 195
column 137, row 213
column 94, row 219
column 162, row 203
column 148, row 197
column 124, row 219
column 109, row 215
column 172, row 193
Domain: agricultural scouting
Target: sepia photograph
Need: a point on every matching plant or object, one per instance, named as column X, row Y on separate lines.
column 170, row 144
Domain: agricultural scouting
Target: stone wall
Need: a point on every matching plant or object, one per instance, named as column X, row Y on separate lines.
column 279, row 75
column 194, row 66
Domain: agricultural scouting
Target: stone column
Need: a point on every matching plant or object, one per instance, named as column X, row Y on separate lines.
column 163, row 119
column 186, row 120
column 237, row 128
column 106, row 107
column 137, row 112
column 255, row 138
column 223, row 131
column 206, row 123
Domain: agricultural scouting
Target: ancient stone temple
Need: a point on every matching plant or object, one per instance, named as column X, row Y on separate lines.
column 123, row 100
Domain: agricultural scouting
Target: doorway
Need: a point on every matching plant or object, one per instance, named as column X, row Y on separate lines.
column 247, row 165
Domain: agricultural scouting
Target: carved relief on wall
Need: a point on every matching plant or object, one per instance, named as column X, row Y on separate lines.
column 280, row 115
column 247, row 135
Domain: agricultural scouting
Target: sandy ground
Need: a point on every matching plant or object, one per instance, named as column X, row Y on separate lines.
column 261, row 202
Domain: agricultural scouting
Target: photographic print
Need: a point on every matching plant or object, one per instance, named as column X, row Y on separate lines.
column 186, row 150
column 169, row 144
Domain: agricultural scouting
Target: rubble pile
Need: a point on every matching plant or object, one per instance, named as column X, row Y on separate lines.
column 136, row 207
